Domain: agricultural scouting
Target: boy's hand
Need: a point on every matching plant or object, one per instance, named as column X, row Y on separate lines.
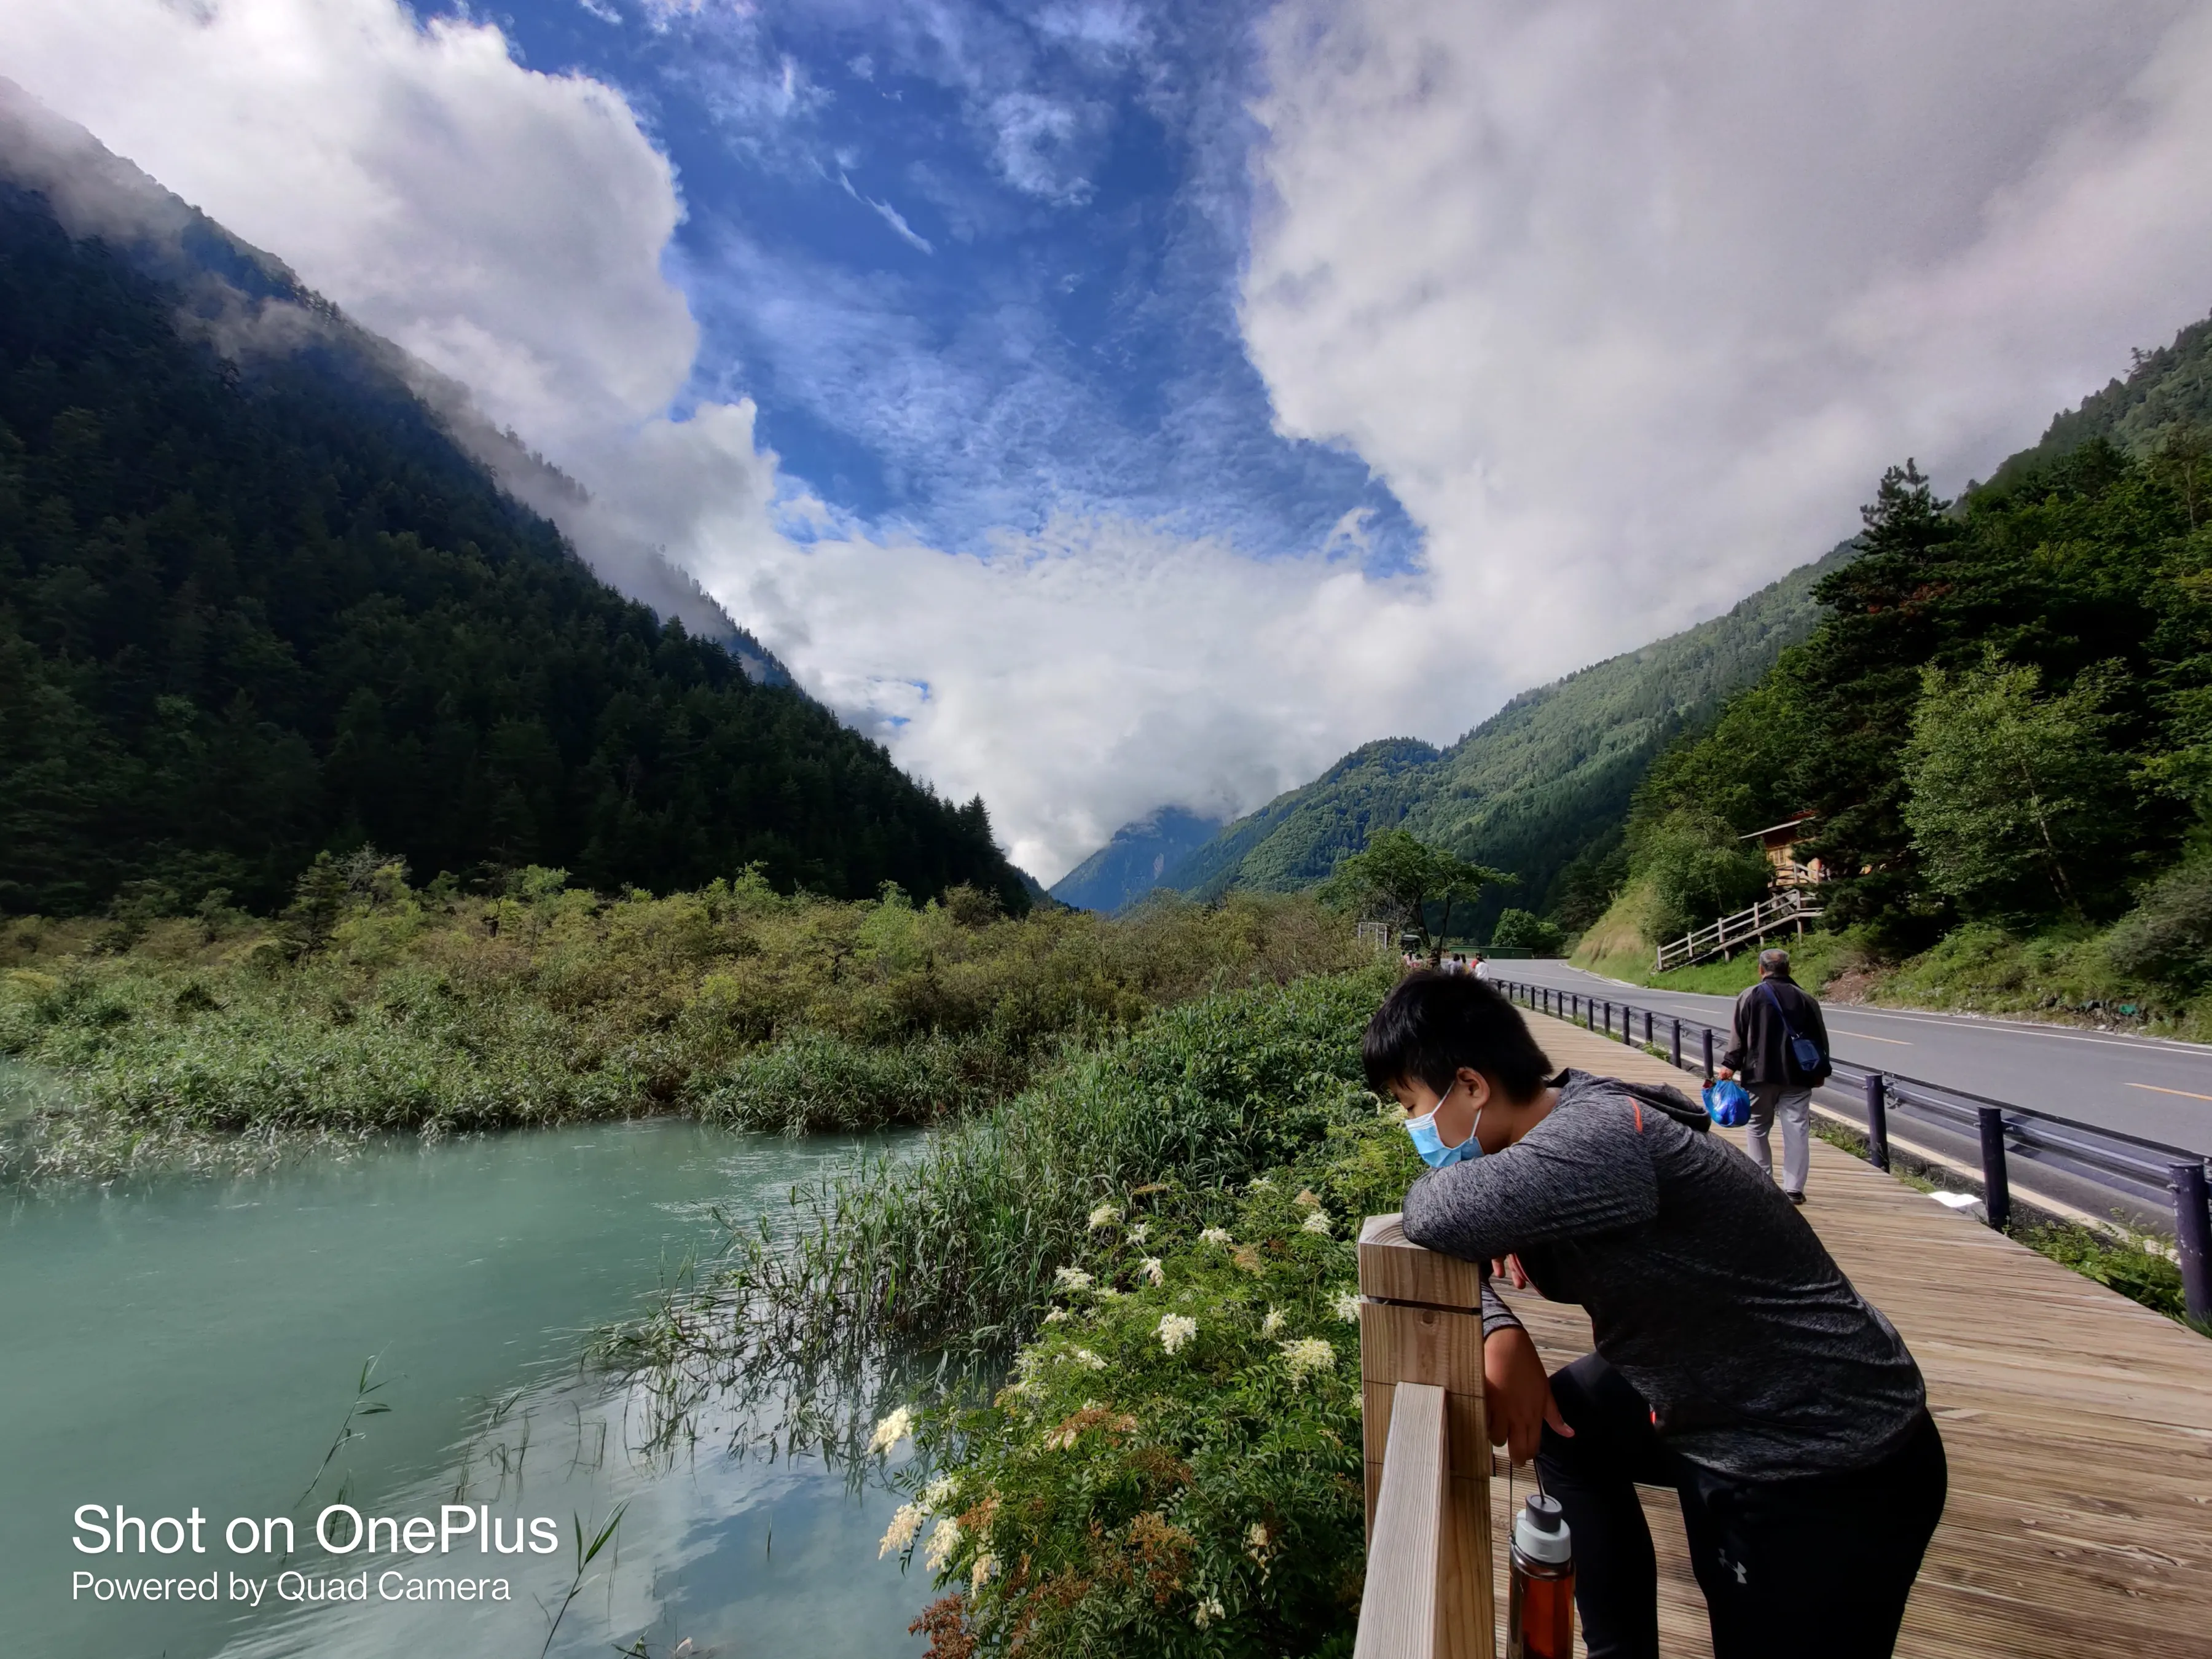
column 1516, row 1394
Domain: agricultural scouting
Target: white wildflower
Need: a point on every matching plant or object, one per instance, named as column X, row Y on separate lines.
column 1088, row 1360
column 1175, row 1329
column 1207, row 1611
column 1112, row 1293
column 892, row 1429
column 1315, row 1222
column 1347, row 1307
column 1055, row 1316
column 1217, row 1236
column 1306, row 1354
column 905, row 1527
column 1104, row 1216
column 942, row 1543
column 1071, row 1278
column 985, row 1570
column 1140, row 1232
column 1151, row 1269
column 939, row 1492
column 1261, row 1184
column 1271, row 1323
column 1257, row 1541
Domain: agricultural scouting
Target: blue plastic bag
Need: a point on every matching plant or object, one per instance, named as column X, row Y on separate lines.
column 1727, row 1103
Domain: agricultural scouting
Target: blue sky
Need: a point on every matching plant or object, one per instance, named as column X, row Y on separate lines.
column 1114, row 405
column 977, row 265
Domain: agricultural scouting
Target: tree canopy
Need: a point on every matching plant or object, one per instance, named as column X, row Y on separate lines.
column 1399, row 879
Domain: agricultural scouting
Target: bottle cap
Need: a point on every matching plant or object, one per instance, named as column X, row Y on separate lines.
column 1540, row 1531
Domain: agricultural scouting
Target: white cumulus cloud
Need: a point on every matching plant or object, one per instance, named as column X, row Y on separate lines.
column 1631, row 305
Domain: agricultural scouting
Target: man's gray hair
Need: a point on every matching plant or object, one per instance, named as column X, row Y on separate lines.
column 1774, row 961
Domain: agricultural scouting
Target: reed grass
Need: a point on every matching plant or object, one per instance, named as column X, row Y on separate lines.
column 219, row 1039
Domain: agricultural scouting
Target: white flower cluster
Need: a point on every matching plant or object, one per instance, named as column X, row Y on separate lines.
column 892, row 1429
column 1271, row 1323
column 1175, row 1329
column 1151, row 1269
column 1087, row 1359
column 1261, row 1184
column 906, row 1524
column 1140, row 1232
column 1055, row 1316
column 985, row 1570
column 1305, row 1355
column 1347, row 1307
column 1071, row 1278
column 942, row 1543
column 1104, row 1216
column 1207, row 1611
column 1217, row 1236
column 1315, row 1222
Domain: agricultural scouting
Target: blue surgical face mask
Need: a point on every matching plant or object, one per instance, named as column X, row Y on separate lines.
column 1431, row 1145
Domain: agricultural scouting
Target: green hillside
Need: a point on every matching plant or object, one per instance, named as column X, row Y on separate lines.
column 1537, row 787
column 2003, row 722
column 259, row 605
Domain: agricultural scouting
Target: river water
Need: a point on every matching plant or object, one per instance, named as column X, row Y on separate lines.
column 184, row 1343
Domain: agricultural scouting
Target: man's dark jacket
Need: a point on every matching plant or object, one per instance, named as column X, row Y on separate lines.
column 1760, row 1050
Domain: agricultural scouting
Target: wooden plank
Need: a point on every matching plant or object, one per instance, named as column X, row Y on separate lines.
column 1402, row 1608
column 1394, row 1268
column 2078, row 1425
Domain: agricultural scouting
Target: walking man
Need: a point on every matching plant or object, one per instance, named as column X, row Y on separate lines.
column 1780, row 1049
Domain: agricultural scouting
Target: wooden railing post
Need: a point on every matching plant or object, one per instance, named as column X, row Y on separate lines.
column 1420, row 1347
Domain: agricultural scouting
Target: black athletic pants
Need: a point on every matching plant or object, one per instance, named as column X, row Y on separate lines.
column 1817, row 1567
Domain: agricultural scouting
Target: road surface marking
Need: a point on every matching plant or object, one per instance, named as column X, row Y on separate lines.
column 2155, row 1089
column 1869, row 1036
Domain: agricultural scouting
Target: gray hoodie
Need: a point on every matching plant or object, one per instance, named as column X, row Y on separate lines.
column 1705, row 1288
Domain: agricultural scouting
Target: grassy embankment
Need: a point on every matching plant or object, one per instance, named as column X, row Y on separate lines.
column 2061, row 974
column 216, row 1038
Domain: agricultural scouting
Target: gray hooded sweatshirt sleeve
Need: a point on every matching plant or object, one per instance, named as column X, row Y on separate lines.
column 1705, row 1288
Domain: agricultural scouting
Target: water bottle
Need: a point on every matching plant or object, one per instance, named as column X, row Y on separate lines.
column 1539, row 1619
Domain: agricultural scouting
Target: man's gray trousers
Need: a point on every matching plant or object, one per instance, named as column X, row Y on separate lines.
column 1794, row 1108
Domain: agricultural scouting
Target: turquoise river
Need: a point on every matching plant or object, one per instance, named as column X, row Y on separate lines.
column 175, row 1344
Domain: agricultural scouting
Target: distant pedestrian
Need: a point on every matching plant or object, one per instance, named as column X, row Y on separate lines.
column 1481, row 966
column 1780, row 1049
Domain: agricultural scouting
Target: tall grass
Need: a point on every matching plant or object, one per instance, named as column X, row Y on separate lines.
column 433, row 1011
column 955, row 1250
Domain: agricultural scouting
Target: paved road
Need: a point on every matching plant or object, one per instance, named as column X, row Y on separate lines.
column 2146, row 1086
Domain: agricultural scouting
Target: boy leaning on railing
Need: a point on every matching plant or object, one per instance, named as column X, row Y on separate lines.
column 1733, row 1361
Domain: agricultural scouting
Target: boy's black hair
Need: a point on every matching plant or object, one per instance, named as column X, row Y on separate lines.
column 1433, row 1024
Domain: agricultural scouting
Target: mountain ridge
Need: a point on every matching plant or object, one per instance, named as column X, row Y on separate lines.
column 1542, row 781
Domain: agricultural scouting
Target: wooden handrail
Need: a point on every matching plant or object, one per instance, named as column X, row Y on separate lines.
column 1429, row 1592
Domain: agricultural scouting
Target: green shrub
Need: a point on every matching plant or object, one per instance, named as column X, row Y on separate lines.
column 1524, row 930
column 1176, row 1466
column 2168, row 937
column 815, row 1082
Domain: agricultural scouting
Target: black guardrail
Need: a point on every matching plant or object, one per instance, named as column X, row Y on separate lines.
column 2145, row 1171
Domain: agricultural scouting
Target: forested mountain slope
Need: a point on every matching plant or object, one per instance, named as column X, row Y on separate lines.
column 256, row 602
column 1537, row 787
column 2004, row 718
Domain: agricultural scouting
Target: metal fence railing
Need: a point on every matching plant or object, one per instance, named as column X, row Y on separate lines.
column 2144, row 1171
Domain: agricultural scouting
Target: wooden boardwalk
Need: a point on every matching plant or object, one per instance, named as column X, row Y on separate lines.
column 2078, row 1425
